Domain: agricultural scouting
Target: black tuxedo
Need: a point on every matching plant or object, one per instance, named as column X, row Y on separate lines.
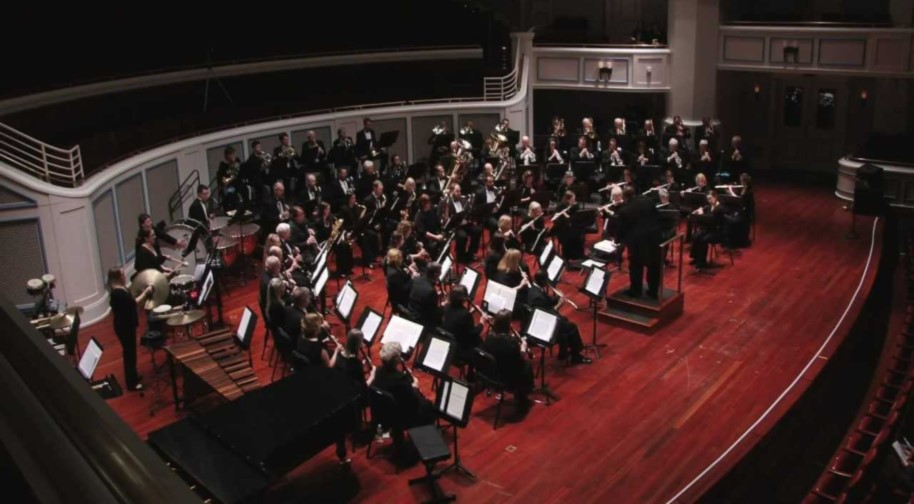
column 576, row 155
column 341, row 155
column 314, row 156
column 199, row 212
column 459, row 321
column 339, row 193
column 311, row 198
column 364, row 140
column 423, row 301
column 399, row 285
column 466, row 232
column 639, row 231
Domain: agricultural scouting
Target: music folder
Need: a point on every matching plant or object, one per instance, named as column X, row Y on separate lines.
column 541, row 327
column 369, row 323
column 436, row 356
column 454, row 401
column 245, row 329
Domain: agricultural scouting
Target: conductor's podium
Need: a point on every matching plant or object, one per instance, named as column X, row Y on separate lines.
column 642, row 313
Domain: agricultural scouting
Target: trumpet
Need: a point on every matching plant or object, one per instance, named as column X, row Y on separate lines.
column 439, row 129
column 500, row 128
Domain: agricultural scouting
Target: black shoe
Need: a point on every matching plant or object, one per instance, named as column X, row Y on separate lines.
column 580, row 359
column 136, row 388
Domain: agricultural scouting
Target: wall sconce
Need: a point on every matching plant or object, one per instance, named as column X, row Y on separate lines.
column 756, row 90
column 864, row 96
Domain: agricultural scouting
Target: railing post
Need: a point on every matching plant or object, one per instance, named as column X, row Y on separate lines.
column 44, row 161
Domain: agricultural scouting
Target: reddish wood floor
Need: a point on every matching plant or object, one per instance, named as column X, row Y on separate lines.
column 653, row 411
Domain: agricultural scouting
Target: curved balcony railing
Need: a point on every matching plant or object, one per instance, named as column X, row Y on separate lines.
column 51, row 164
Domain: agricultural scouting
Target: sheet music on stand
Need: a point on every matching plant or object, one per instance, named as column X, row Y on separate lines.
column 454, row 401
column 555, row 268
column 470, row 280
column 445, row 268
column 498, row 297
column 402, row 331
column 321, row 259
column 595, row 284
column 206, row 288
column 369, row 323
column 321, row 281
column 246, row 327
column 89, row 359
column 606, row 246
column 544, row 255
column 542, row 326
column 436, row 356
column 590, row 263
column 345, row 300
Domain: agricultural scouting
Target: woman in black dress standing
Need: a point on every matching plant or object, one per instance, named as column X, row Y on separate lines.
column 126, row 321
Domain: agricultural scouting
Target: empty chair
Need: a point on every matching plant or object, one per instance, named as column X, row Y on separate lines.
column 488, row 377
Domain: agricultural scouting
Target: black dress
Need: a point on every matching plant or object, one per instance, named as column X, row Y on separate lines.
column 412, row 405
column 126, row 321
column 459, row 322
column 513, row 369
column 146, row 259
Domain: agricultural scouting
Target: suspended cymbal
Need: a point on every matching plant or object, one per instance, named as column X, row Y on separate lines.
column 185, row 318
column 158, row 282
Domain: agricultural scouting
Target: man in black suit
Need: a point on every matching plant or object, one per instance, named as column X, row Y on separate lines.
column 275, row 209
column 199, row 210
column 639, row 231
column 295, row 312
column 438, row 182
column 311, row 195
column 366, row 182
column 341, row 187
column 365, row 140
column 458, row 320
column 488, row 194
column 423, row 298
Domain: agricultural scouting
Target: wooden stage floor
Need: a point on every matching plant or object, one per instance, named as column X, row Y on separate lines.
column 653, row 411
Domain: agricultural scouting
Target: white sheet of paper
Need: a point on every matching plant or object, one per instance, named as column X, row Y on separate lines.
column 402, row 331
column 321, row 281
column 554, row 267
column 321, row 261
column 542, row 326
column 89, row 360
column 370, row 327
column 445, row 268
column 243, row 325
column 347, row 300
column 445, row 390
column 595, row 282
column 546, row 251
column 457, row 401
column 437, row 354
column 605, row 246
column 590, row 263
column 468, row 279
column 498, row 297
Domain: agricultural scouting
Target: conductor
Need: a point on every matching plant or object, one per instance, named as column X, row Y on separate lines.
column 639, row 231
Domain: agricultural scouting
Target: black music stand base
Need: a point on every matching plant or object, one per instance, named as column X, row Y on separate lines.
column 457, row 466
column 594, row 346
column 544, row 387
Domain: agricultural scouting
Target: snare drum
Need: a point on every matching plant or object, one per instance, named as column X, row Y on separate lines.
column 245, row 234
column 227, row 251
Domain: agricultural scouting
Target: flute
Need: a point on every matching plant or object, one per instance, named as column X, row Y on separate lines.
column 652, row 189
column 563, row 297
column 610, row 187
column 728, row 186
column 527, row 225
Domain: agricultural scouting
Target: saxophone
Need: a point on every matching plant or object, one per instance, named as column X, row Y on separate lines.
column 335, row 231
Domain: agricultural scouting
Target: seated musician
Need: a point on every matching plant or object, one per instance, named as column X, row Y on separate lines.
column 346, row 358
column 413, row 251
column 620, row 134
column 272, row 240
column 313, row 153
column 609, row 212
column 145, row 222
column 707, row 162
column 701, row 184
column 505, row 227
column 228, row 177
column 676, row 158
column 669, row 215
column 396, row 172
column 302, row 236
column 554, row 153
column 146, row 257
column 615, row 154
column 292, row 257
column 669, row 179
column 438, row 183
column 272, row 267
column 526, row 194
column 708, row 131
column 567, row 334
column 467, row 234
column 533, row 224
column 398, row 279
column 413, row 407
column 275, row 306
column 678, row 130
column 487, row 171
column 645, row 155
column 341, row 187
column 649, row 135
column 275, row 209
column 741, row 224
column 710, row 228
column 311, row 195
column 490, row 195
column 342, row 250
column 526, row 155
column 301, row 304
column 745, row 181
column 494, row 252
column 734, row 160
column 407, row 200
column 309, row 343
column 428, row 226
column 510, row 352
column 582, row 152
column 423, row 297
column 570, row 236
column 512, row 272
column 458, row 320
column 567, row 183
column 589, row 134
column 365, row 183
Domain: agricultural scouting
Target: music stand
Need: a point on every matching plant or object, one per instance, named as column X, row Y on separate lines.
column 541, row 331
column 583, row 170
column 245, row 331
column 435, row 357
column 498, row 297
column 555, row 269
column 470, row 280
column 446, row 266
column 595, row 288
column 543, row 257
column 403, row 331
column 646, row 173
column 454, row 403
column 388, row 138
column 369, row 323
column 555, row 171
column 345, row 303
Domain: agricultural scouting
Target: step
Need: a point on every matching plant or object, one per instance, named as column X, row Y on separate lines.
column 670, row 304
column 630, row 318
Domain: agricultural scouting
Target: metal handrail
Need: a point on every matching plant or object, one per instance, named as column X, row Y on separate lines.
column 178, row 197
column 50, row 163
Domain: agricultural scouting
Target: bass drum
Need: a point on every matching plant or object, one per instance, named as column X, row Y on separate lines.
column 181, row 231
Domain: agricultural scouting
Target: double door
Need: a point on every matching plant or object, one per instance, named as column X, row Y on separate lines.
column 810, row 121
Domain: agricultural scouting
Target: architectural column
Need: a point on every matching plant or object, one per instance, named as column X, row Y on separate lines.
column 692, row 34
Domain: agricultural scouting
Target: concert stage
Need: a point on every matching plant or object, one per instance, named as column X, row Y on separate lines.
column 655, row 411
